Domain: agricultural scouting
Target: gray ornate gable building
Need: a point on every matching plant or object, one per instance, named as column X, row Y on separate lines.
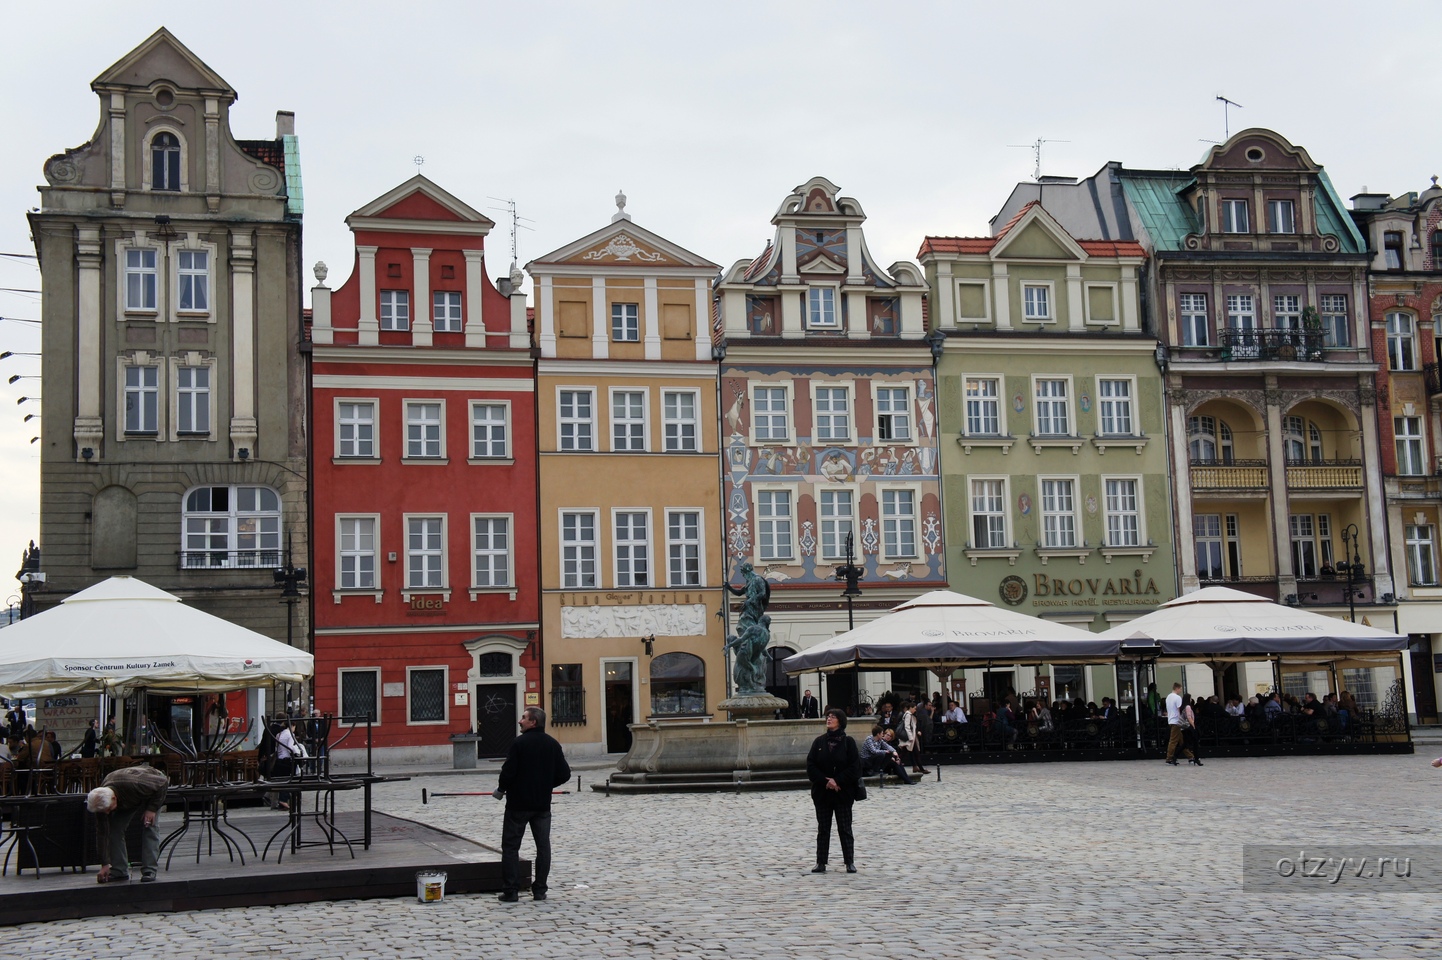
column 173, row 428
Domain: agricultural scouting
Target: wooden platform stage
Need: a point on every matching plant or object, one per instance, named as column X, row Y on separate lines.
column 399, row 848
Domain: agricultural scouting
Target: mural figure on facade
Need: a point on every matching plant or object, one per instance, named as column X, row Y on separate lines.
column 753, row 631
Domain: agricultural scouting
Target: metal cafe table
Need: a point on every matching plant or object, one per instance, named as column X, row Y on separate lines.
column 203, row 807
column 323, row 789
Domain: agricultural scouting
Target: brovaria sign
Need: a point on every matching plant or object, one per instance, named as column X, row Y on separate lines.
column 1078, row 591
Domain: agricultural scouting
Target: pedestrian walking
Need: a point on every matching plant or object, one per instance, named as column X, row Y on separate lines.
column 535, row 765
column 1175, row 726
column 834, row 767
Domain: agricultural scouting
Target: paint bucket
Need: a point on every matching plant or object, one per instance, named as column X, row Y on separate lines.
column 430, row 885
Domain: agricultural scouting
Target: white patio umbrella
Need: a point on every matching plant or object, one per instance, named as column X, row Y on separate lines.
column 1221, row 622
column 123, row 634
column 948, row 630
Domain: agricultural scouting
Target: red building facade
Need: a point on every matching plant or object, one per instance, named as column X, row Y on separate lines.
column 424, row 472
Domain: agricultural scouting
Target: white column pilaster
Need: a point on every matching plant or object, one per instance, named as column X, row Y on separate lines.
column 369, row 327
column 858, row 326
column 320, row 329
column 791, row 312
column 1075, row 305
column 1127, row 293
column 89, row 425
column 117, row 149
column 1181, row 470
column 651, row 318
column 243, row 433
column 853, row 255
column 600, row 320
column 1281, row 507
column 1375, row 501
column 546, row 311
column 1001, row 295
column 475, row 297
column 703, row 320
column 945, row 299
column 422, row 320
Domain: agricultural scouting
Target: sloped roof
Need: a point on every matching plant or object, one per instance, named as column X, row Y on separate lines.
column 1154, row 195
column 161, row 56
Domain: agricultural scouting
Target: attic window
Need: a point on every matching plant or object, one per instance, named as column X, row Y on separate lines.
column 164, row 99
column 1254, row 154
column 165, row 162
column 1392, row 249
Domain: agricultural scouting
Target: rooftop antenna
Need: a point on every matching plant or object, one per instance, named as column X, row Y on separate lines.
column 1226, row 115
column 1035, row 149
column 419, row 161
column 518, row 223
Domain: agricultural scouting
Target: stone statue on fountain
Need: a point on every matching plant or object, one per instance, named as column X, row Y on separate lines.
column 748, row 644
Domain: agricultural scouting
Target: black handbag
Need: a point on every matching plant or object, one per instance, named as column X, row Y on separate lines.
column 860, row 792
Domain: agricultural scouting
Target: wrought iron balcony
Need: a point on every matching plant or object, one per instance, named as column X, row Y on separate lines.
column 230, row 559
column 1324, row 474
column 1272, row 345
column 1229, row 475
column 1431, row 374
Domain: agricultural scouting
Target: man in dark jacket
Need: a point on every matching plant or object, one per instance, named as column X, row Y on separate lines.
column 535, row 765
column 117, row 800
column 833, row 765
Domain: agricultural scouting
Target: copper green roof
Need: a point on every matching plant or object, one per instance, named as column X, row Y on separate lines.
column 1165, row 216
column 294, row 197
column 1333, row 218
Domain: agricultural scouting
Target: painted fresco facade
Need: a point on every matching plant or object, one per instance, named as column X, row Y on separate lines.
column 424, row 462
column 1055, row 465
column 629, row 535
column 1404, row 287
column 829, row 421
column 174, row 429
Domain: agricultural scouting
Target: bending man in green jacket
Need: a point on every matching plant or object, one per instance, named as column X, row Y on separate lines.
column 120, row 796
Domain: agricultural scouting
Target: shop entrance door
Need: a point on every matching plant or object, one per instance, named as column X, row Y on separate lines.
column 497, row 722
column 620, row 705
column 1424, row 678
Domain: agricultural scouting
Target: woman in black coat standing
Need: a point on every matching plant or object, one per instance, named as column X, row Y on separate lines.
column 834, row 767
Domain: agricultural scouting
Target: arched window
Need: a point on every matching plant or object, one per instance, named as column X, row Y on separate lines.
column 678, row 685
column 1314, row 442
column 231, row 527
column 1202, row 438
column 165, row 162
column 1224, row 432
column 1293, row 442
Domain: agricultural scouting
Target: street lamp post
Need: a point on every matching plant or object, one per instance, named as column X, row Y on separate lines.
column 1353, row 565
column 850, row 574
column 289, row 577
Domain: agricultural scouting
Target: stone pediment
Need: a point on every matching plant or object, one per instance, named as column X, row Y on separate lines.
column 1036, row 234
column 624, row 244
column 419, row 198
column 162, row 57
column 622, row 248
column 821, row 264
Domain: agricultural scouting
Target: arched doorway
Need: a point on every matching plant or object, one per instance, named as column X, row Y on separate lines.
column 498, row 683
column 778, row 684
column 678, row 685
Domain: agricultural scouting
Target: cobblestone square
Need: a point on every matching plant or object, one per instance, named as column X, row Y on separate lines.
column 1073, row 860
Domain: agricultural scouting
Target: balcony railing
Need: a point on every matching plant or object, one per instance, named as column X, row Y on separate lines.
column 1332, row 591
column 1324, row 474
column 230, row 559
column 1431, row 374
column 1272, row 345
column 1229, row 475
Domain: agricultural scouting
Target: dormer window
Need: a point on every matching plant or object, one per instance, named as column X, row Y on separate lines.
column 1235, row 218
column 165, row 162
column 1392, row 249
column 821, row 308
column 1437, row 249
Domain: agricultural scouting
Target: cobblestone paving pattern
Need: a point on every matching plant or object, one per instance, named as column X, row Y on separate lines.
column 1059, row 860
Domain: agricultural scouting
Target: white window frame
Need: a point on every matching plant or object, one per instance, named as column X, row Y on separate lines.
column 147, row 173
column 389, row 304
column 999, row 400
column 1239, row 310
column 563, row 420
column 837, row 551
column 1196, row 327
column 193, row 245
column 625, row 320
column 489, row 454
column 192, row 361
column 767, row 491
column 157, row 253
column 1051, row 402
column 1048, row 289
column 683, row 542
column 443, row 551
column 1336, row 319
column 645, row 545
column 340, row 691
column 1139, row 512
column 1304, row 535
column 445, row 695
column 847, row 413
column 1275, row 211
column 1287, row 311
column 447, row 311
column 341, row 519
column 1116, row 317
column 1067, row 515
column 912, row 518
column 141, row 361
column 818, row 296
column 674, row 437
column 1401, row 341
column 1231, row 222
column 424, row 455
column 341, row 422
column 985, row 287
column 1421, row 549
column 509, row 553
column 644, row 422
column 1129, row 402
column 581, row 546
column 907, row 413
column 264, row 551
column 1414, row 441
column 1001, row 511
column 787, row 388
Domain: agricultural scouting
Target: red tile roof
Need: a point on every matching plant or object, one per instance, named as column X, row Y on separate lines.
column 1112, row 248
column 1012, row 222
column 956, row 245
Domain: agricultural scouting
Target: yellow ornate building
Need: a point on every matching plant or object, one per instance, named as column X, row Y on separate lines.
column 631, row 562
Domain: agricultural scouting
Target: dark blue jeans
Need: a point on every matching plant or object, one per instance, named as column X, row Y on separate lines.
column 513, row 830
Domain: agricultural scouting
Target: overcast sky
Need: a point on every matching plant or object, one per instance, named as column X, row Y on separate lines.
column 707, row 115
